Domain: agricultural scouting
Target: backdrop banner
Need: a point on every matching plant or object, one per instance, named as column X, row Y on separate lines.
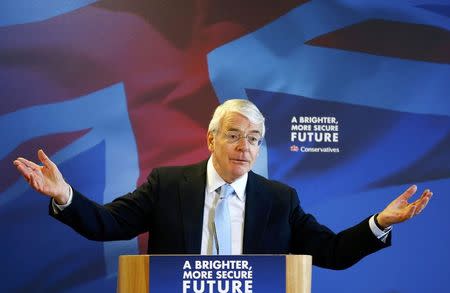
column 355, row 92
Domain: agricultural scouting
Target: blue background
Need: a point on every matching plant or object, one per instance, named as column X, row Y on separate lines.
column 111, row 89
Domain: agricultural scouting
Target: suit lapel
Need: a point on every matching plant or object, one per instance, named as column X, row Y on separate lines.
column 192, row 200
column 257, row 210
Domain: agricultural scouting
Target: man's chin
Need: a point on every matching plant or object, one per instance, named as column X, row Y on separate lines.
column 238, row 172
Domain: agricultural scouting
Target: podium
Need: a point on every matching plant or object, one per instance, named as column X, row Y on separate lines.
column 135, row 270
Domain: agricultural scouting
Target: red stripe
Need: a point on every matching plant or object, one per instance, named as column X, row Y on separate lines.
column 28, row 149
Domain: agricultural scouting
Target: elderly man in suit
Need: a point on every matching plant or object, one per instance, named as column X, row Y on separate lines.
column 219, row 206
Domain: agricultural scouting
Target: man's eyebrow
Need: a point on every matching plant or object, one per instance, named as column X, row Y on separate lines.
column 255, row 131
column 238, row 130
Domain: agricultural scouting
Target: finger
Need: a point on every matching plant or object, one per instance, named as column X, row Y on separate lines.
column 23, row 169
column 425, row 195
column 45, row 159
column 28, row 163
column 411, row 212
column 423, row 203
column 408, row 192
column 19, row 164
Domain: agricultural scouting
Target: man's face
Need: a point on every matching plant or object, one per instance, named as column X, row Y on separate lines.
column 233, row 159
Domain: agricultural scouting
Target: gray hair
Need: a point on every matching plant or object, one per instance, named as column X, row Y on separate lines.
column 240, row 106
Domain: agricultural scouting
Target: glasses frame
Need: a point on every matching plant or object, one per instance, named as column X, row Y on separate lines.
column 227, row 135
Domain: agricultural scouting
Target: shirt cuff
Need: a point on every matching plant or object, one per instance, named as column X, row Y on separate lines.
column 60, row 207
column 380, row 234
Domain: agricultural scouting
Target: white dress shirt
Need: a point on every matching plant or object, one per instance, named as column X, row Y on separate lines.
column 236, row 206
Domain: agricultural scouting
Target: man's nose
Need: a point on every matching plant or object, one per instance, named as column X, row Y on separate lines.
column 243, row 143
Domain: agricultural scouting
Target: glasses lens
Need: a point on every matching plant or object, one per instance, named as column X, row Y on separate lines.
column 253, row 140
column 234, row 136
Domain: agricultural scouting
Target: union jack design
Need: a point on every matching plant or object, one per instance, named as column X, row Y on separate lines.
column 111, row 89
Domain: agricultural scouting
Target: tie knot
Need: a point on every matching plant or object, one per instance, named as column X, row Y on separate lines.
column 226, row 191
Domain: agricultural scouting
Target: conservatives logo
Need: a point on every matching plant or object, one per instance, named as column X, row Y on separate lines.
column 294, row 148
column 319, row 134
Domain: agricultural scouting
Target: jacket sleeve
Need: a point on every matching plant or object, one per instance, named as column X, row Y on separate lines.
column 123, row 219
column 328, row 249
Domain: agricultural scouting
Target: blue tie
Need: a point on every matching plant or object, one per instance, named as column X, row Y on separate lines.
column 222, row 222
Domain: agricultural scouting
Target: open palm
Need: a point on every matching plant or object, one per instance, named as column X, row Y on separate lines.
column 46, row 179
column 399, row 210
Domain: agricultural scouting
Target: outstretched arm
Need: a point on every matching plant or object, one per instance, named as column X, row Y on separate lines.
column 124, row 218
column 46, row 179
column 399, row 210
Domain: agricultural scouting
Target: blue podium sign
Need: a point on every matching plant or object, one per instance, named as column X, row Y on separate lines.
column 217, row 274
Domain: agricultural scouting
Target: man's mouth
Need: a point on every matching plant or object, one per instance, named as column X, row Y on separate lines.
column 239, row 160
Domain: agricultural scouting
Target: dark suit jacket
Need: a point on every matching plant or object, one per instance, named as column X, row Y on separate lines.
column 170, row 206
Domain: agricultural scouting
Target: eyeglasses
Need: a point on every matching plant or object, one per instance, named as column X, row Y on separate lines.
column 235, row 136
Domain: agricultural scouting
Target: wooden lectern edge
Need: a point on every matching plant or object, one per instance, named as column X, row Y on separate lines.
column 134, row 271
column 298, row 273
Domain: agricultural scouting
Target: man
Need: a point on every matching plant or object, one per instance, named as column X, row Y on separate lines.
column 182, row 209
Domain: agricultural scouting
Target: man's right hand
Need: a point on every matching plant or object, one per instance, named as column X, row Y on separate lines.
column 46, row 179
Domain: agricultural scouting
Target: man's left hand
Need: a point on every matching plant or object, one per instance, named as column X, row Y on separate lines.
column 399, row 210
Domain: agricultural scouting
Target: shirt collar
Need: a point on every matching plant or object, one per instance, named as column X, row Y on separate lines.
column 214, row 181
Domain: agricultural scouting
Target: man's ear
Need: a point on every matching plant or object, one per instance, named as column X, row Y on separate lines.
column 210, row 141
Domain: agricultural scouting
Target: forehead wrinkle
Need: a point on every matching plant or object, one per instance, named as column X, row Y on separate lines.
column 229, row 124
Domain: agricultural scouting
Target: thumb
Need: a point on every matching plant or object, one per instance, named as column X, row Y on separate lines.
column 44, row 159
column 408, row 192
